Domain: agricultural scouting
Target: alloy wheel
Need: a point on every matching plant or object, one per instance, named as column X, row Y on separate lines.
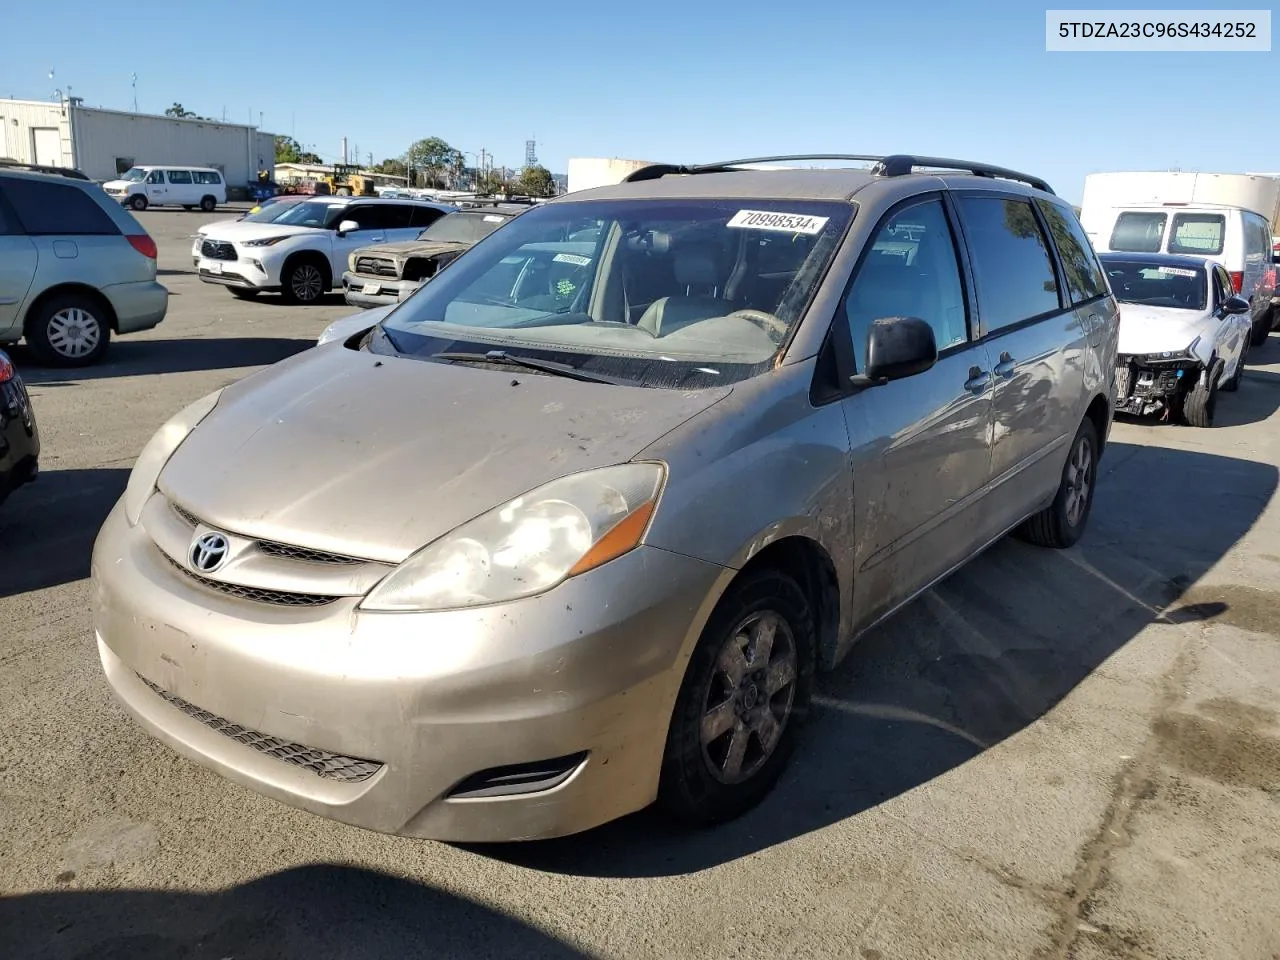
column 1079, row 480
column 306, row 283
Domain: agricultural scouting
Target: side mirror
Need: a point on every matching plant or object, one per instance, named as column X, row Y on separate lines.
column 1235, row 305
column 347, row 226
column 898, row 347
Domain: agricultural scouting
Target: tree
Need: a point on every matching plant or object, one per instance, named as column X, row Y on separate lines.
column 178, row 110
column 288, row 150
column 435, row 157
column 395, row 168
column 536, row 181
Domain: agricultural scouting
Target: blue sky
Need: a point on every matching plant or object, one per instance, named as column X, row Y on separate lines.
column 679, row 82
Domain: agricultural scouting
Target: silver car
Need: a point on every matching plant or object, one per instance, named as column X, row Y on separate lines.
column 572, row 529
column 74, row 267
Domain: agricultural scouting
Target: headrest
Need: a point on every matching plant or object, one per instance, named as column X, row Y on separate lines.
column 697, row 268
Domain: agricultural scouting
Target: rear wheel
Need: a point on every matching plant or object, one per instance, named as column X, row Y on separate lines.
column 744, row 696
column 138, row 202
column 208, row 204
column 304, row 281
column 1262, row 328
column 1201, row 401
column 69, row 330
column 1062, row 523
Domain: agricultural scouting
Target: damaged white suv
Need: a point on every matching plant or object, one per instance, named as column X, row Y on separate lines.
column 1184, row 335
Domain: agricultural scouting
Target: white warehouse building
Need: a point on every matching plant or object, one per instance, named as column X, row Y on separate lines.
column 104, row 143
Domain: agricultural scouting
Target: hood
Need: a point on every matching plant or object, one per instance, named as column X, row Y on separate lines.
column 341, row 329
column 375, row 456
column 1146, row 329
column 249, row 230
column 411, row 248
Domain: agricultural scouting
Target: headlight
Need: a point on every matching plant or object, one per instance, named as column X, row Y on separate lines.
column 530, row 544
column 161, row 446
column 262, row 242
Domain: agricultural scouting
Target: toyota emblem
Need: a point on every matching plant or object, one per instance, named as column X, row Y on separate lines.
column 209, row 552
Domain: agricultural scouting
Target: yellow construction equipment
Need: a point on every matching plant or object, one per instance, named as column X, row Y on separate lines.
column 347, row 181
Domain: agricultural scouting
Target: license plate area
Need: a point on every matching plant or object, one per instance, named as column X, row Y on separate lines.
column 371, row 288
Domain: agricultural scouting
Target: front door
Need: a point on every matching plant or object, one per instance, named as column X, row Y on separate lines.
column 1039, row 347
column 920, row 447
column 157, row 189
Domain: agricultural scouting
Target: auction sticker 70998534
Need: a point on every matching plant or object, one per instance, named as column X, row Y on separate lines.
column 781, row 222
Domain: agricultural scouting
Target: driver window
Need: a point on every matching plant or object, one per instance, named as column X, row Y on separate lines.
column 911, row 270
column 155, row 176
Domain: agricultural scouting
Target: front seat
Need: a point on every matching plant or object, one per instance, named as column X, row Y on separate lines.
column 694, row 270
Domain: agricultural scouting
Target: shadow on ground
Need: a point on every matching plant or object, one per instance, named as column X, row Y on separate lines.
column 972, row 662
column 47, row 528
column 329, row 911
column 132, row 358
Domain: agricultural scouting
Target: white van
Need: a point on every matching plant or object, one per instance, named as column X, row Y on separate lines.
column 187, row 187
column 1185, row 213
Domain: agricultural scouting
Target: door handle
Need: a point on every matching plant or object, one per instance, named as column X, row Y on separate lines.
column 978, row 380
column 1006, row 366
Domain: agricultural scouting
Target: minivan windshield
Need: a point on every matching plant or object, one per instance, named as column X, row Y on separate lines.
column 134, row 175
column 666, row 293
column 1138, row 281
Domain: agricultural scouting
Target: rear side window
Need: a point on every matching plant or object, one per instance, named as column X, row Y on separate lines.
column 179, row 176
column 1138, row 232
column 207, row 176
column 46, row 208
column 1012, row 269
column 1085, row 279
column 1198, row 233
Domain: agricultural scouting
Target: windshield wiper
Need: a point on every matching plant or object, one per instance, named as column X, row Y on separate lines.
column 530, row 363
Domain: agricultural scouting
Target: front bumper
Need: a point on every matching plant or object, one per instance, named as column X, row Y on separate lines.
column 19, row 438
column 138, row 306
column 588, row 671
column 235, row 273
column 371, row 292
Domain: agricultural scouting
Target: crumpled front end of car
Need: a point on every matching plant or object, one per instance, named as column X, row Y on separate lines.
column 1152, row 383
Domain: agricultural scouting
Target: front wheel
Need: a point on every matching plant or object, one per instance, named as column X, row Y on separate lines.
column 1201, row 401
column 304, row 282
column 744, row 696
column 138, row 202
column 1062, row 523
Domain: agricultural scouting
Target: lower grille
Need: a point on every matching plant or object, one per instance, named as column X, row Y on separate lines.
column 257, row 594
column 330, row 766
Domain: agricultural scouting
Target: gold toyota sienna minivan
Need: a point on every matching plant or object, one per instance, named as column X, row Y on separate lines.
column 570, row 529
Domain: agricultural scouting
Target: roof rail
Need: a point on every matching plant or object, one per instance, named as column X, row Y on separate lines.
column 894, row 165
column 40, row 168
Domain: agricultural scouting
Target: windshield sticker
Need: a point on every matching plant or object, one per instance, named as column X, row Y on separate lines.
column 572, row 258
column 490, row 218
column 781, row 222
column 1177, row 271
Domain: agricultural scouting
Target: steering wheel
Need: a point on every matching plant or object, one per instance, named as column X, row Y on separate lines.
column 770, row 324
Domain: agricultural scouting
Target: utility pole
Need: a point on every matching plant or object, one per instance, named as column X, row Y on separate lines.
column 344, row 149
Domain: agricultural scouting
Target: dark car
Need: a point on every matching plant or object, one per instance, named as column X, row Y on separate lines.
column 386, row 273
column 19, row 438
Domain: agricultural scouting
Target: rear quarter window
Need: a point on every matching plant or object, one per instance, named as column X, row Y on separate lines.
column 45, row 208
column 1138, row 232
column 1197, row 233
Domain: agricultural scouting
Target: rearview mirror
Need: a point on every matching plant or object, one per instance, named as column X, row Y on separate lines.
column 1235, row 305
column 898, row 347
column 347, row 226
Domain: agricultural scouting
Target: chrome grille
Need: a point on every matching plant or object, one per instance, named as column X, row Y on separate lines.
column 330, row 766
column 282, row 598
column 376, row 267
column 217, row 250
column 283, row 551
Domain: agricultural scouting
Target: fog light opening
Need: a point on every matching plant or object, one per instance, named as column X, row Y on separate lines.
column 518, row 779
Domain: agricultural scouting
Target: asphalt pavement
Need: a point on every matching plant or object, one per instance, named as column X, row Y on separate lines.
column 1051, row 755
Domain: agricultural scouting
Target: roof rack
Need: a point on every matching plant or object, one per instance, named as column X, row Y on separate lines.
column 39, row 168
column 894, row 165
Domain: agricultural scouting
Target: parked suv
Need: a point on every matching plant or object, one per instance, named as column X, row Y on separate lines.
column 387, row 273
column 302, row 253
column 573, row 527
column 75, row 268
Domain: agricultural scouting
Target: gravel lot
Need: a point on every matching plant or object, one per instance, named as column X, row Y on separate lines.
column 1067, row 754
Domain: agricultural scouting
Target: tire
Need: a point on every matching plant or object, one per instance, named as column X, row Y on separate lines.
column 241, row 293
column 138, row 202
column 1261, row 328
column 1061, row 524
column 69, row 330
column 1232, row 385
column 208, row 204
column 304, row 280
column 1201, row 401
column 344, row 191
column 694, row 786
